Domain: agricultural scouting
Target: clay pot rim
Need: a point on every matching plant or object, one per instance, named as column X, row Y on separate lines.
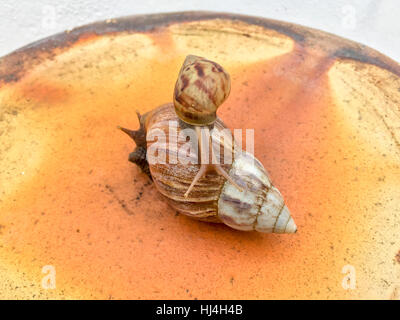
column 14, row 65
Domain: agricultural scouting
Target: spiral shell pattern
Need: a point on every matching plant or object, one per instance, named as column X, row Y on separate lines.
column 259, row 206
column 173, row 179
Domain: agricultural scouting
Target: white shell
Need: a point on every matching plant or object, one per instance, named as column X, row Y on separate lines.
column 259, row 206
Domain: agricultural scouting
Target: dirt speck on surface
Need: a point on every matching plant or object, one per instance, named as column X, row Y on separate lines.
column 120, row 201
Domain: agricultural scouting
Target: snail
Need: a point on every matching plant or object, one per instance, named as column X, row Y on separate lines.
column 237, row 193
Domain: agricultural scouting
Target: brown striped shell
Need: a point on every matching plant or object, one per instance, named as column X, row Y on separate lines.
column 202, row 86
column 259, row 206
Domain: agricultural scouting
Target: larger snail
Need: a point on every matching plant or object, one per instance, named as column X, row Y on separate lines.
column 238, row 193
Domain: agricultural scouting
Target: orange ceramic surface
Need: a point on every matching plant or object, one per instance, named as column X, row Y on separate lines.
column 327, row 128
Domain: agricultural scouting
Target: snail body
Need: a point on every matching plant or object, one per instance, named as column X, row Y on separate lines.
column 238, row 192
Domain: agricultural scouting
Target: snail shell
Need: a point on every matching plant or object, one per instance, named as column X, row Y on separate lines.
column 202, row 86
column 259, row 206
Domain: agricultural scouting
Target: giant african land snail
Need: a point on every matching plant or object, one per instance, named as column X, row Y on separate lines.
column 238, row 193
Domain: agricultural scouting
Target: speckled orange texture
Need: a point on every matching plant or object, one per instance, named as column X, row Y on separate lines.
column 326, row 129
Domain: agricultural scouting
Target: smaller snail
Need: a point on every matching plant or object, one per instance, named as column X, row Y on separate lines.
column 202, row 86
column 238, row 193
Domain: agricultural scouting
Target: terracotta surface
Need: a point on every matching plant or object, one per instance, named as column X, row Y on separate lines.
column 327, row 128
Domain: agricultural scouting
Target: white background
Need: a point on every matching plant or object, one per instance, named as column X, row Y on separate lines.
column 375, row 23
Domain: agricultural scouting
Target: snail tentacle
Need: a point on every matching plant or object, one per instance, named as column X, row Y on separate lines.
column 139, row 136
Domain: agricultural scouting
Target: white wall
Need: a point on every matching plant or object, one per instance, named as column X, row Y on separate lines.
column 375, row 23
